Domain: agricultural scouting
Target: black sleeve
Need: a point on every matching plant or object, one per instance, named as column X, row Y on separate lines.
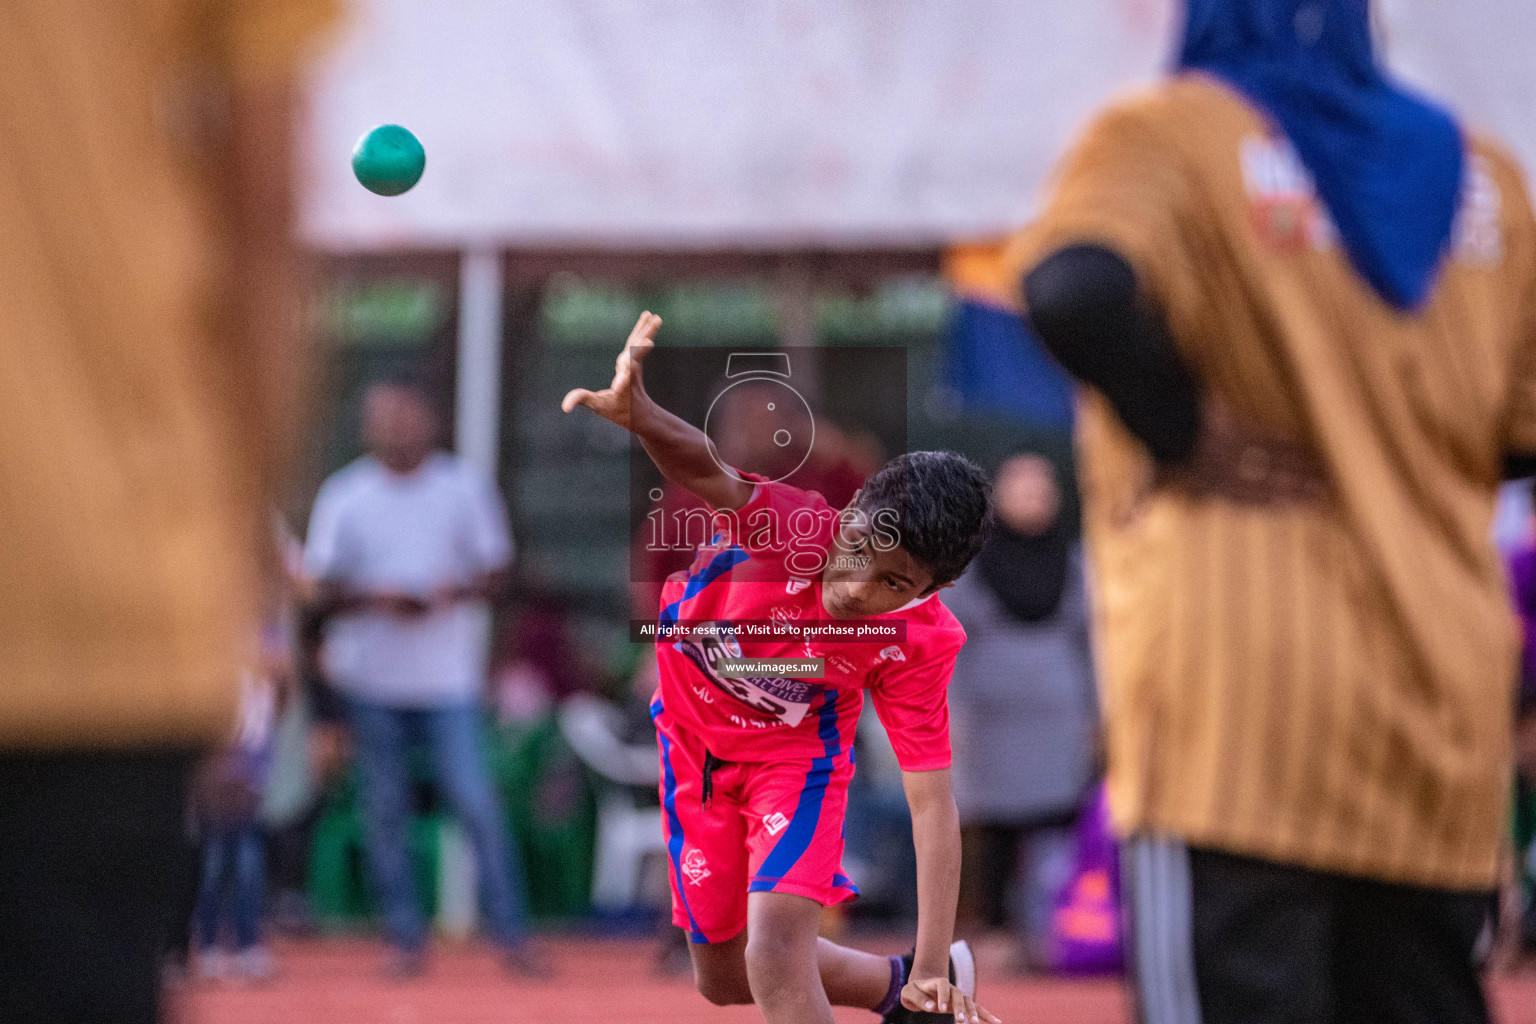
column 1519, row 465
column 1084, row 305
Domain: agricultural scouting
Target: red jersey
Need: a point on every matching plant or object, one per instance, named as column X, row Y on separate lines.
column 766, row 566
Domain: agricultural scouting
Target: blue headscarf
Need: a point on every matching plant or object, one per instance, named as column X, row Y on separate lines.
column 1387, row 163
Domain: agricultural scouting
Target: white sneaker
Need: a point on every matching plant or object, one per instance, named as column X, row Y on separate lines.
column 255, row 964
column 212, row 964
column 964, row 963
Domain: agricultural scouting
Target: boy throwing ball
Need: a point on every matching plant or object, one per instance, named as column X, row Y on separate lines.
column 756, row 759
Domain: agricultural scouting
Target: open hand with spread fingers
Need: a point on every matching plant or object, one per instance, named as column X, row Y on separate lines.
column 617, row 401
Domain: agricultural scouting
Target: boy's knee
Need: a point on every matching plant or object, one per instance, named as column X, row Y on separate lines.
column 774, row 960
column 720, row 974
column 724, row 991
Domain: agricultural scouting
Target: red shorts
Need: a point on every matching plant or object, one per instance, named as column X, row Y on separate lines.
column 760, row 826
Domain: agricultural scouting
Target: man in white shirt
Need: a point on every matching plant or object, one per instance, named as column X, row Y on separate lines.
column 408, row 545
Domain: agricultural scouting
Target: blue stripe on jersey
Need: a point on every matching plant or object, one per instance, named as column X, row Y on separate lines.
column 802, row 827
column 826, row 728
column 675, row 829
column 722, row 563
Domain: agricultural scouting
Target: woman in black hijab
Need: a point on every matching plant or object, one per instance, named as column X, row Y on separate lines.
column 1023, row 713
column 1026, row 561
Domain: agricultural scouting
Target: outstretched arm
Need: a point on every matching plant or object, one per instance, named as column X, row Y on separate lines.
column 679, row 449
column 936, row 834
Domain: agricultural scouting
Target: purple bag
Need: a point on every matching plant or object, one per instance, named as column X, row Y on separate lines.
column 1086, row 924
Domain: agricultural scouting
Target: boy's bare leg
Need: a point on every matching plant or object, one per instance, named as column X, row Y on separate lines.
column 848, row 977
column 852, row 977
column 782, row 966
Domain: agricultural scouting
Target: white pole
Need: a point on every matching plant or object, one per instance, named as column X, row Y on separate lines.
column 477, row 414
column 477, row 433
column 797, row 307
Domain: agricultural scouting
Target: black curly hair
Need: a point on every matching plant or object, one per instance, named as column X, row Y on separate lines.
column 943, row 503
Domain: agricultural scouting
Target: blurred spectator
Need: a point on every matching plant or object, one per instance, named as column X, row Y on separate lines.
column 878, row 830
column 407, row 545
column 534, row 666
column 1024, row 713
column 310, row 753
column 227, row 805
column 149, row 294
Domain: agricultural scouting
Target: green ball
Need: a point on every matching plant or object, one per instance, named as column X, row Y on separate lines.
column 388, row 160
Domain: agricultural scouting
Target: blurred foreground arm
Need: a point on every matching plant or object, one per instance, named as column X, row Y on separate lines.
column 679, row 449
column 1082, row 302
column 265, row 339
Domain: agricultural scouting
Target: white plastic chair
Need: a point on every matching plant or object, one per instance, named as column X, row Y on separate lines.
column 627, row 832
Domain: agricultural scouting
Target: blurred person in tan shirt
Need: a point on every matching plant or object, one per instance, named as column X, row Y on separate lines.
column 148, row 358
column 1306, row 301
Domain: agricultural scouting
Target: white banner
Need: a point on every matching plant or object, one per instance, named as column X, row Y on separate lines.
column 774, row 123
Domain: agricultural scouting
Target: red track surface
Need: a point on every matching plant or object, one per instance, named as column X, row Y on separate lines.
column 337, row 982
